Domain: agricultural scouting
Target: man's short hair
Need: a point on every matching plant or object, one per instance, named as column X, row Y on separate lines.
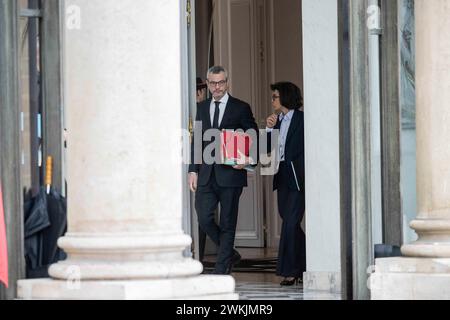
column 217, row 70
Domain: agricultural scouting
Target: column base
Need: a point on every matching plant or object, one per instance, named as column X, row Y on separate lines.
column 101, row 270
column 322, row 281
column 411, row 279
column 434, row 239
column 130, row 256
column 207, row 287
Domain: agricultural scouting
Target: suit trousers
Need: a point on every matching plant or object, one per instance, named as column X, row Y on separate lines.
column 292, row 248
column 207, row 199
column 201, row 243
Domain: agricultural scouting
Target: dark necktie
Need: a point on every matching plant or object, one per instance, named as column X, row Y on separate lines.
column 216, row 121
column 216, row 115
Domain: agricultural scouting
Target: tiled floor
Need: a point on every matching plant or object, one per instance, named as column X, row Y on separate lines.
column 267, row 291
column 266, row 286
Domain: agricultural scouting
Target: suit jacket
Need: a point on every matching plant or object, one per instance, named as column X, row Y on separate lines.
column 292, row 173
column 238, row 115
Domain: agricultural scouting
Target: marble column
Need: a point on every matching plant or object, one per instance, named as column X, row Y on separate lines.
column 425, row 271
column 123, row 94
column 433, row 130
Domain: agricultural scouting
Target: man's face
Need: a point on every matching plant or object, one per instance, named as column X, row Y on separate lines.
column 218, row 85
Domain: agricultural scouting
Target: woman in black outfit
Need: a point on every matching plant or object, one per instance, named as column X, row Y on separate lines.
column 289, row 181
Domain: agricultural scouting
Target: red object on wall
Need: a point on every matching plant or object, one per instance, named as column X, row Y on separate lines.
column 3, row 245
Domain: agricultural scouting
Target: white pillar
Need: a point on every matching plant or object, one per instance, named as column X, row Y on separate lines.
column 123, row 100
column 321, row 70
column 426, row 273
column 433, row 131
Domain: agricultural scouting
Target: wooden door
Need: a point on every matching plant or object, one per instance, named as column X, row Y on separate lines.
column 237, row 40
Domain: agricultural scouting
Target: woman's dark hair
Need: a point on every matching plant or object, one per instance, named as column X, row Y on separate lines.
column 290, row 95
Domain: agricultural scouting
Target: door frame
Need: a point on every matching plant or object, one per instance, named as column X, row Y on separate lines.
column 188, row 75
column 50, row 19
column 10, row 138
column 223, row 56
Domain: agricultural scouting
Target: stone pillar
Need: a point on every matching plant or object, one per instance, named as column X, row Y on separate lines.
column 321, row 69
column 433, row 131
column 426, row 273
column 123, row 99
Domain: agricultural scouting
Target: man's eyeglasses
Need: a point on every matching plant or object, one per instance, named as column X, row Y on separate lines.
column 217, row 83
column 274, row 97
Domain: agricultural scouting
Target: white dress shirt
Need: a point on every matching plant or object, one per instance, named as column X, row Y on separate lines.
column 284, row 129
column 222, row 106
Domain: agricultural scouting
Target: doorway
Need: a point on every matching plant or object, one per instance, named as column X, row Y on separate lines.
column 259, row 42
column 32, row 115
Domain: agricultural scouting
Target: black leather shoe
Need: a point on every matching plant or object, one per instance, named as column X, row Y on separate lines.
column 222, row 273
column 209, row 272
column 234, row 261
column 290, row 282
column 236, row 257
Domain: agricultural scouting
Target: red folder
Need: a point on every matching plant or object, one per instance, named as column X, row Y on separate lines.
column 3, row 245
column 235, row 147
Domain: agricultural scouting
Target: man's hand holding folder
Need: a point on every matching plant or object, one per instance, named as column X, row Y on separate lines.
column 236, row 148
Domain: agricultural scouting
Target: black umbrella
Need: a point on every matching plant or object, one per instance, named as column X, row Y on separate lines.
column 45, row 222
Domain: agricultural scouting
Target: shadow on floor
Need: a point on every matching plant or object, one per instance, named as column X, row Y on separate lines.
column 262, row 265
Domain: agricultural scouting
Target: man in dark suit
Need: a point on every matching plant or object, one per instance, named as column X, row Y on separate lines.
column 213, row 182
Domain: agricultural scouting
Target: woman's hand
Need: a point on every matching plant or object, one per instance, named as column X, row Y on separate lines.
column 272, row 121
